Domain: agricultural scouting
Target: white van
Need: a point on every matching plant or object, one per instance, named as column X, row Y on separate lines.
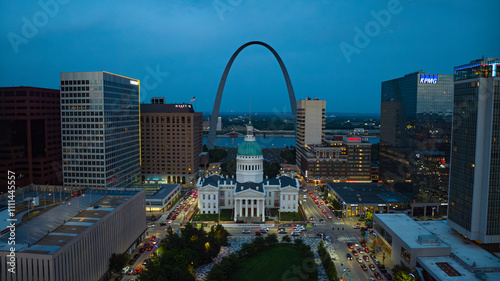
column 125, row 269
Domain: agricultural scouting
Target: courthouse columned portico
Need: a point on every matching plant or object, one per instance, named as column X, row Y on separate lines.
column 249, row 208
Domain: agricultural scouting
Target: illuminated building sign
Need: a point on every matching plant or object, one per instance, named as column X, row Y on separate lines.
column 182, row 106
column 354, row 139
column 133, row 82
column 428, row 78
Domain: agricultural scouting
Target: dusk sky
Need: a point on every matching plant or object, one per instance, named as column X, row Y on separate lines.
column 186, row 45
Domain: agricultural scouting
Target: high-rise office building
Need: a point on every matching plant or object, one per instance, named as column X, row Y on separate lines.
column 310, row 122
column 337, row 159
column 415, row 134
column 310, row 127
column 30, row 125
column 100, row 129
column 474, row 191
column 172, row 141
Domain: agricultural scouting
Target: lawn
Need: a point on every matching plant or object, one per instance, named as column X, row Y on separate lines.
column 275, row 263
column 289, row 216
column 225, row 215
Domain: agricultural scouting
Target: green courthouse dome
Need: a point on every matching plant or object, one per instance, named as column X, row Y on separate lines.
column 249, row 148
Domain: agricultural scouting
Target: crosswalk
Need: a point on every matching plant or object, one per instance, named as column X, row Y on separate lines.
column 347, row 238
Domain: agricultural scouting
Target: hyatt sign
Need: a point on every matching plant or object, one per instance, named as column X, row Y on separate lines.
column 428, row 78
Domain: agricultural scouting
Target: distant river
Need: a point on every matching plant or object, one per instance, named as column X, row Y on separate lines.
column 266, row 142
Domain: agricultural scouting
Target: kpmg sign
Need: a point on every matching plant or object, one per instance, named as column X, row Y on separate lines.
column 428, row 78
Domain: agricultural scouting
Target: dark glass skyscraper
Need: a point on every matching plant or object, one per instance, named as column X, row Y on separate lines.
column 415, row 135
column 474, row 191
column 100, row 129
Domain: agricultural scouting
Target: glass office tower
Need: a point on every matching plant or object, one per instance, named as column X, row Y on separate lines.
column 100, row 129
column 415, row 134
column 474, row 206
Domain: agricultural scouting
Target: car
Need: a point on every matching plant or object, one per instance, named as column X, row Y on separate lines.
column 142, row 250
column 174, row 217
column 163, row 223
column 145, row 261
column 324, row 211
column 363, row 266
column 360, row 250
column 362, row 243
column 388, row 276
column 321, row 220
column 125, row 269
column 295, row 233
column 367, row 250
column 356, row 244
column 354, row 252
column 311, row 218
column 359, row 260
column 154, row 242
column 320, row 234
column 185, row 209
column 305, row 196
column 149, row 248
column 136, row 256
column 366, row 258
column 130, row 271
column 245, row 231
column 348, row 256
column 131, row 261
column 282, row 231
column 372, row 267
column 382, row 268
column 321, row 203
column 263, row 231
column 357, row 227
column 257, row 233
column 153, row 238
column 138, row 269
column 330, row 216
column 377, row 275
column 373, row 256
column 350, row 245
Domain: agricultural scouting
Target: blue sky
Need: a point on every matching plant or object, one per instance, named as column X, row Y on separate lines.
column 188, row 43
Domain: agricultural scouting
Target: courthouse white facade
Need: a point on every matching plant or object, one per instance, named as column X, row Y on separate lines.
column 249, row 194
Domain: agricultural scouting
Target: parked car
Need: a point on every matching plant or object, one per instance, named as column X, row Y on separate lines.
column 359, row 260
column 366, row 258
column 354, row 252
column 372, row 267
column 125, row 269
column 363, row 266
column 138, row 269
column 377, row 275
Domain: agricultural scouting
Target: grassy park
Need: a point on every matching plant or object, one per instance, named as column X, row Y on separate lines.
column 274, row 263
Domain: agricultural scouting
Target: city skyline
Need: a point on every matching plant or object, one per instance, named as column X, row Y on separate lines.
column 178, row 50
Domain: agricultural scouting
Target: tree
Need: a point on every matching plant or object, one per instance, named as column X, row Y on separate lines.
column 118, row 261
column 271, row 239
column 271, row 170
column 289, row 155
column 216, row 154
column 228, row 168
column 369, row 216
column 286, row 238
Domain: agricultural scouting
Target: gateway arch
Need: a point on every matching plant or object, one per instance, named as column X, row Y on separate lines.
column 218, row 98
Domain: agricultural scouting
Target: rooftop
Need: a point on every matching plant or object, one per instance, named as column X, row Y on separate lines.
column 464, row 249
column 259, row 187
column 49, row 231
column 408, row 230
column 366, row 193
column 166, row 108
